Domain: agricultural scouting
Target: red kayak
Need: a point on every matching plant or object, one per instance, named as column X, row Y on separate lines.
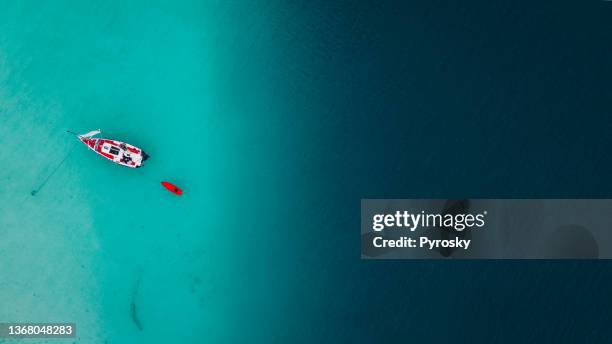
column 172, row 188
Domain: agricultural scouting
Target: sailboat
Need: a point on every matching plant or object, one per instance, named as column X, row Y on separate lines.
column 118, row 152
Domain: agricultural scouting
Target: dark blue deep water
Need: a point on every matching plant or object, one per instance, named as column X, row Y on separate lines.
column 440, row 99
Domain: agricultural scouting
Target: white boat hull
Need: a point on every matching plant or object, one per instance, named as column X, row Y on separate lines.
column 116, row 151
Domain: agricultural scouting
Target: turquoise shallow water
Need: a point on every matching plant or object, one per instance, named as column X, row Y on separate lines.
column 192, row 84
